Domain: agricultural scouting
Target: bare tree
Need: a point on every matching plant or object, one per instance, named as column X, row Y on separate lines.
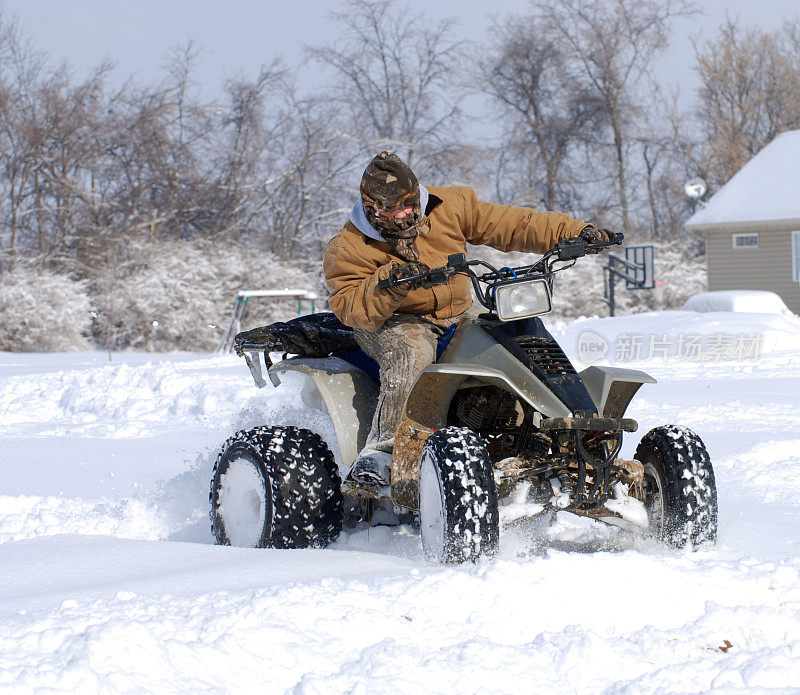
column 186, row 128
column 247, row 129
column 666, row 146
column 395, row 73
column 308, row 181
column 749, row 93
column 614, row 43
column 20, row 65
column 548, row 109
column 49, row 128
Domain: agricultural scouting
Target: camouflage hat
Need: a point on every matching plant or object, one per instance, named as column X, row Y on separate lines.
column 389, row 184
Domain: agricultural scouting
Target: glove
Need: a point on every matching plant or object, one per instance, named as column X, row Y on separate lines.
column 596, row 235
column 407, row 270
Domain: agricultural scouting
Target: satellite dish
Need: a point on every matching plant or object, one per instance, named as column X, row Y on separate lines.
column 695, row 188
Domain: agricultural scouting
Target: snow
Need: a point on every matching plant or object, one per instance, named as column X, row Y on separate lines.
column 111, row 582
column 242, row 500
column 763, row 190
column 742, row 301
column 628, row 508
column 690, row 336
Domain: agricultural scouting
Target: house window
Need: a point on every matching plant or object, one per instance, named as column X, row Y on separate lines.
column 796, row 256
column 745, row 241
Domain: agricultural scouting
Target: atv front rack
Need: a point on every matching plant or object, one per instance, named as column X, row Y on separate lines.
column 585, row 476
column 589, row 424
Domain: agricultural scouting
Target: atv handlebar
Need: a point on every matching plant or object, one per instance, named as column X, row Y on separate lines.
column 435, row 276
column 575, row 247
column 565, row 250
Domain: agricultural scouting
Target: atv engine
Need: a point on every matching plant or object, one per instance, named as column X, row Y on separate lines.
column 488, row 407
column 505, row 423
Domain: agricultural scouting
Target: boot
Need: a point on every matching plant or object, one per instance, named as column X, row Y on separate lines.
column 371, row 471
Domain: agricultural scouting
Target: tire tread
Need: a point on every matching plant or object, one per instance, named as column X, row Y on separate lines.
column 691, row 504
column 470, row 494
column 305, row 486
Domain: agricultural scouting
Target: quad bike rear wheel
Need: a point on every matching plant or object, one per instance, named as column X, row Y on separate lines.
column 458, row 513
column 275, row 487
column 680, row 493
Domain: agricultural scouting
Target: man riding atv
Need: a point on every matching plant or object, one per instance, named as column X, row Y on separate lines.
column 401, row 229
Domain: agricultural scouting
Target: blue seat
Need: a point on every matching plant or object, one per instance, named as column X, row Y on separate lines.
column 360, row 359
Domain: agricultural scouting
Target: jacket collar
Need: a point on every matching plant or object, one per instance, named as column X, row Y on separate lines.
column 359, row 216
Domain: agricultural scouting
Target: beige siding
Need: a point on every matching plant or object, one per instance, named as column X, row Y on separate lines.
column 769, row 267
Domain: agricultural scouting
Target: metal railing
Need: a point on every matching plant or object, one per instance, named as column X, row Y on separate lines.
column 636, row 269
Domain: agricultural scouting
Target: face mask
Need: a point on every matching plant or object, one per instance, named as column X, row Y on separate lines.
column 389, row 184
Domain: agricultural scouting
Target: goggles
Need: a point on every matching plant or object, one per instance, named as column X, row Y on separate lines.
column 406, row 200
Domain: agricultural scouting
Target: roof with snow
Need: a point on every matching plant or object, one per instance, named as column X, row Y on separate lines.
column 765, row 190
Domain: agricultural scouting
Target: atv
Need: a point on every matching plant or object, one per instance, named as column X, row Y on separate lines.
column 501, row 412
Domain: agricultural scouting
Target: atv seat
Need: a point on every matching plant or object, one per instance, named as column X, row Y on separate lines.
column 359, row 358
column 315, row 335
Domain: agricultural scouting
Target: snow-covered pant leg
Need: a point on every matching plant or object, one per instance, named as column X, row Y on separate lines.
column 403, row 347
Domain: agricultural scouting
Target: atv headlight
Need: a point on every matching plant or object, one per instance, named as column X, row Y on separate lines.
column 520, row 300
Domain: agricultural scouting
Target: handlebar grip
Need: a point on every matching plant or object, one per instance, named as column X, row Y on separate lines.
column 435, row 276
column 386, row 283
column 619, row 237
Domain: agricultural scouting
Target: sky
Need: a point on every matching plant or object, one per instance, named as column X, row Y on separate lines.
column 238, row 36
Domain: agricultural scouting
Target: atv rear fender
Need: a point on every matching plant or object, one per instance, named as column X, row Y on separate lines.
column 347, row 393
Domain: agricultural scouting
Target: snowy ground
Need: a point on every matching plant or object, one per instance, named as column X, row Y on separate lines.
column 111, row 584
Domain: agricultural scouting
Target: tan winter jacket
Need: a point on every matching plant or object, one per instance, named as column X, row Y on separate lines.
column 354, row 263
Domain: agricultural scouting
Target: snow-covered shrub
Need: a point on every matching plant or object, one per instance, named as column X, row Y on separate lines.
column 181, row 295
column 41, row 311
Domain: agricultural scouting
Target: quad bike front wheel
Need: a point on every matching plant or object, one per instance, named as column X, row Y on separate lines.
column 680, row 493
column 275, row 487
column 458, row 513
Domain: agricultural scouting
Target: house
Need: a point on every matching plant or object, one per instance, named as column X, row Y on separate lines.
column 752, row 224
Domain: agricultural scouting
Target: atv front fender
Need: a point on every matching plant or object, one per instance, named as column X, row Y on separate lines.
column 345, row 391
column 427, row 408
column 612, row 388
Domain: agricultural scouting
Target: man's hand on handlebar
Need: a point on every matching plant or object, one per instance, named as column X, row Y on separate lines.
column 596, row 235
column 589, row 240
column 413, row 275
column 407, row 273
column 408, row 270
